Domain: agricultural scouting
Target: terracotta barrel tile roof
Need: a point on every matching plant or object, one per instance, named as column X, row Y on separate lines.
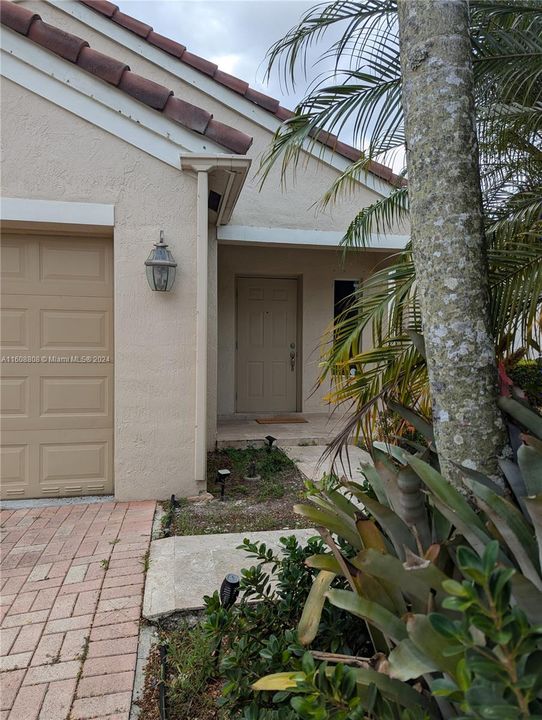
column 239, row 86
column 221, row 133
column 234, row 83
column 265, row 101
column 103, row 6
column 166, row 44
column 115, row 72
column 199, row 63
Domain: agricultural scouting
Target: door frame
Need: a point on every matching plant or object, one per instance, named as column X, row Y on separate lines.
column 299, row 331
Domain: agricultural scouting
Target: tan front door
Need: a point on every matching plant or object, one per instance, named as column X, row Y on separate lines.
column 266, row 345
column 57, row 365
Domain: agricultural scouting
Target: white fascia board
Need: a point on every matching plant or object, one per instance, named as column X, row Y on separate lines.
column 205, row 84
column 66, row 85
column 249, row 235
column 53, row 211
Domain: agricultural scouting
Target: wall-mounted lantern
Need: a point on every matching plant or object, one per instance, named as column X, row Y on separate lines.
column 161, row 267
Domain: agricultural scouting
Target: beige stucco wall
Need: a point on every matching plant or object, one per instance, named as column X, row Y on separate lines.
column 296, row 204
column 316, row 270
column 49, row 153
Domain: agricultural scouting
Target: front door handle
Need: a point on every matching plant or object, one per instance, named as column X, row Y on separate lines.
column 292, row 360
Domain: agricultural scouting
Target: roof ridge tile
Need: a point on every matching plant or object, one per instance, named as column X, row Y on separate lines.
column 58, row 41
column 105, row 67
column 115, row 72
column 166, row 44
column 103, row 6
column 146, row 91
column 17, row 17
column 132, row 24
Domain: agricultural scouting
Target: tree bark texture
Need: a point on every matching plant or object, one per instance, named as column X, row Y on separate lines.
column 447, row 232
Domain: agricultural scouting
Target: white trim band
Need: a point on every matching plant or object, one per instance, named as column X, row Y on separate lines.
column 247, row 234
column 52, row 211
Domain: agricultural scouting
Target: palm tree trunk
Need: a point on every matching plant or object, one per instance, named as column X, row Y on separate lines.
column 447, row 232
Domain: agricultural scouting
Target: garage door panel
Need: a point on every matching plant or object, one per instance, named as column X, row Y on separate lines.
column 56, row 395
column 77, row 268
column 15, row 330
column 70, row 326
column 14, row 397
column 14, row 469
column 18, row 261
column 85, row 331
column 57, row 398
column 64, row 397
column 77, row 462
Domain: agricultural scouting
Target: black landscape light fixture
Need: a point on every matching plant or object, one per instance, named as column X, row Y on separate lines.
column 221, row 477
column 229, row 590
column 161, row 267
column 269, row 439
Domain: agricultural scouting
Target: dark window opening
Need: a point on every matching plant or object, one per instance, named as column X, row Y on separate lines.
column 343, row 301
column 214, row 200
column 342, row 298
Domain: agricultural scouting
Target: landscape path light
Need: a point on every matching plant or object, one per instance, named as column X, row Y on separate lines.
column 221, row 477
column 229, row 590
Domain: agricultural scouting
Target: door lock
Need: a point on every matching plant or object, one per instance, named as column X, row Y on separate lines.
column 292, row 360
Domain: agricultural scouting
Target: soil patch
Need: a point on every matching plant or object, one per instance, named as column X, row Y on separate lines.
column 261, row 504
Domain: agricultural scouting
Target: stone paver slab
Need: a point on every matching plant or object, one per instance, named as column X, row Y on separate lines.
column 185, row 568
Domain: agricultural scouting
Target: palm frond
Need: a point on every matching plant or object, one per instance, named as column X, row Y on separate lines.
column 377, row 219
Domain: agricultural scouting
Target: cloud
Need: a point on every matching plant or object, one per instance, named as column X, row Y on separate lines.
column 235, row 34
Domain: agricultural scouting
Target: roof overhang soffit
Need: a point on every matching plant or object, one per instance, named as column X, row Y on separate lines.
column 227, row 175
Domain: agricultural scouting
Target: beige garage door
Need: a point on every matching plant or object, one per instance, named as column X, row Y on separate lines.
column 57, row 365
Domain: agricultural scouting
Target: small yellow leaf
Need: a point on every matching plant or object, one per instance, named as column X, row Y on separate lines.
column 278, row 681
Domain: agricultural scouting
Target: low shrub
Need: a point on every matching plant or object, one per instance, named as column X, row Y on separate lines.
column 258, row 634
column 528, row 375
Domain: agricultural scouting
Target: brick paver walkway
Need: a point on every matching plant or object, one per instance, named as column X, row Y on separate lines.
column 71, row 592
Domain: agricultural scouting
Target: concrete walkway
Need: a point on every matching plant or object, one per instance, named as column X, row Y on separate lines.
column 309, row 461
column 71, row 591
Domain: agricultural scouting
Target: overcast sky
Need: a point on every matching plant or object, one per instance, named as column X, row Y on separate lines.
column 235, row 34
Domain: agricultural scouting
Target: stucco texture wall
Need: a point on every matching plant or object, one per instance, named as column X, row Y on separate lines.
column 316, row 270
column 294, row 205
column 50, row 154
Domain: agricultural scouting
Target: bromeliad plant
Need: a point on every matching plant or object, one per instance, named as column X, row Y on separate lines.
column 403, row 555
